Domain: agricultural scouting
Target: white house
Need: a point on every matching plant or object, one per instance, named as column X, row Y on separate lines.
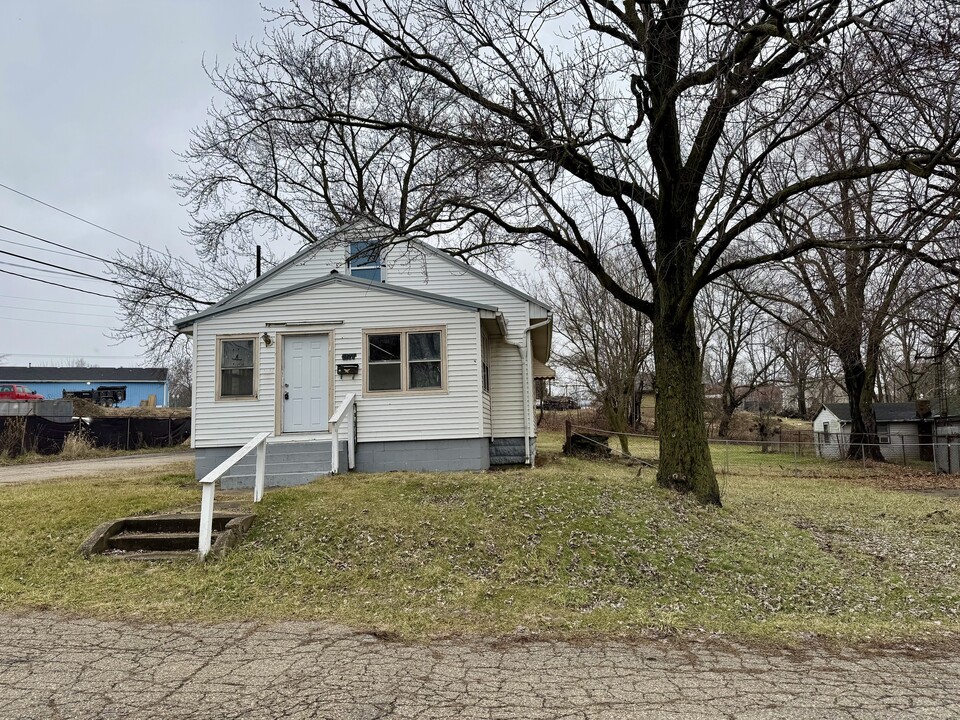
column 441, row 357
column 904, row 431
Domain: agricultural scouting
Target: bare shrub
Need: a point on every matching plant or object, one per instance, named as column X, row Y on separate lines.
column 79, row 446
column 13, row 436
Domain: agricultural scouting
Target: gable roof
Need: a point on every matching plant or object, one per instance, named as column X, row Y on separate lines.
column 333, row 277
column 17, row 373
column 884, row 412
column 341, row 233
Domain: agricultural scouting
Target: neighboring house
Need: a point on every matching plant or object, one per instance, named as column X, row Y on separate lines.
column 442, row 359
column 51, row 382
column 905, row 430
column 946, row 420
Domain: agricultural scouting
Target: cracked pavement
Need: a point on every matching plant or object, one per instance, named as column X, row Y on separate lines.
column 54, row 666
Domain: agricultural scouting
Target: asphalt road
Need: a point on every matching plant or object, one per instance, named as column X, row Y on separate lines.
column 57, row 470
column 62, row 668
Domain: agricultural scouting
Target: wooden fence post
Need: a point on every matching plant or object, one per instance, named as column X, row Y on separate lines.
column 567, row 432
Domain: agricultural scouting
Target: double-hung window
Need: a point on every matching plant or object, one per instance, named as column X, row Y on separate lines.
column 237, row 363
column 365, row 261
column 404, row 360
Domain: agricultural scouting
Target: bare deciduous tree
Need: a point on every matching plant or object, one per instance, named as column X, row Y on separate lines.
column 736, row 336
column 680, row 117
column 606, row 344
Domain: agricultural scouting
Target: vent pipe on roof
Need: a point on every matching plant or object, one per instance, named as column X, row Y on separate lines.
column 258, row 261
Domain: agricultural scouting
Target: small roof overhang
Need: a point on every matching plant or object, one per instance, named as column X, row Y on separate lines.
column 540, row 340
column 494, row 323
column 542, row 371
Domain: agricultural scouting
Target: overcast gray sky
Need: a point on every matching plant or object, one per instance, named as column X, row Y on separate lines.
column 96, row 97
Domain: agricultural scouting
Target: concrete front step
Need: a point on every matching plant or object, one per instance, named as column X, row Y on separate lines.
column 157, row 555
column 164, row 537
column 155, row 541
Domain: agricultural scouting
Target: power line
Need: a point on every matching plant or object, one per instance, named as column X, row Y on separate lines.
column 59, row 312
column 33, row 247
column 82, row 290
column 41, row 270
column 76, row 272
column 67, row 247
column 72, row 302
column 52, row 322
column 50, row 282
column 97, row 357
column 91, row 223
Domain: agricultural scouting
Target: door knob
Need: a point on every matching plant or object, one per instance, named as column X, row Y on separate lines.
column 286, row 396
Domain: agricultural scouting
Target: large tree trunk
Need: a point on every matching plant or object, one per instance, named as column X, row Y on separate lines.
column 802, row 397
column 864, row 442
column 685, row 463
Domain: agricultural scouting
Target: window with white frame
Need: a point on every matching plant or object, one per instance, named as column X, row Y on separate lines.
column 404, row 360
column 365, row 260
column 237, row 367
column 883, row 433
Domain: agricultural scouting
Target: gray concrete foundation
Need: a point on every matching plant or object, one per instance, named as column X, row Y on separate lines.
column 509, row 451
column 424, row 455
column 288, row 463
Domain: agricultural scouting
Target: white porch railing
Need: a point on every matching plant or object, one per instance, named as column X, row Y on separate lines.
column 209, row 483
column 345, row 411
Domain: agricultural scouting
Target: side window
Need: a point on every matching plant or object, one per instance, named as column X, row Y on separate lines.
column 365, row 261
column 883, row 432
column 826, row 432
column 485, row 361
column 236, row 359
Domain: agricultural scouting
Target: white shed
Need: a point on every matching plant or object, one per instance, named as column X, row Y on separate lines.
column 903, row 434
column 441, row 358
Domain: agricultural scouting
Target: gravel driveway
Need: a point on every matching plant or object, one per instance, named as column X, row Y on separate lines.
column 180, row 461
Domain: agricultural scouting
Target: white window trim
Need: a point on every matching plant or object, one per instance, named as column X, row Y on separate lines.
column 404, row 390
column 383, row 264
column 256, row 367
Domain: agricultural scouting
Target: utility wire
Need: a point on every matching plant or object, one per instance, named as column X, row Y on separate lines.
column 76, row 272
column 137, row 271
column 33, row 268
column 71, row 313
column 96, row 357
column 34, row 247
column 132, row 269
column 91, row 223
column 82, row 290
column 33, row 299
column 52, row 322
column 49, row 282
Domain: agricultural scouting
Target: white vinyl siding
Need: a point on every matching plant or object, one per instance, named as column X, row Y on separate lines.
column 424, row 271
column 412, row 267
column 453, row 414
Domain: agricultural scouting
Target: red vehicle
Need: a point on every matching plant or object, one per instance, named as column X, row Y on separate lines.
column 18, row 393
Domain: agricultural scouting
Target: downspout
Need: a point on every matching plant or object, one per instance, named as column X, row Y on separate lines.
column 524, row 350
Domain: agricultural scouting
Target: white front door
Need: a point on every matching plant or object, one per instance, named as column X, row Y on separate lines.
column 306, row 383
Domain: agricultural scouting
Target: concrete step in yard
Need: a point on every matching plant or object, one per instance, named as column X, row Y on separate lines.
column 164, row 537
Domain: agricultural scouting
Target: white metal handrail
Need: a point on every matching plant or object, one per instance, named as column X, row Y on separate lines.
column 349, row 403
column 209, row 483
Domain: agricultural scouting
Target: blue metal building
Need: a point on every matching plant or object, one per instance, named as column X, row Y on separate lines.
column 51, row 382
